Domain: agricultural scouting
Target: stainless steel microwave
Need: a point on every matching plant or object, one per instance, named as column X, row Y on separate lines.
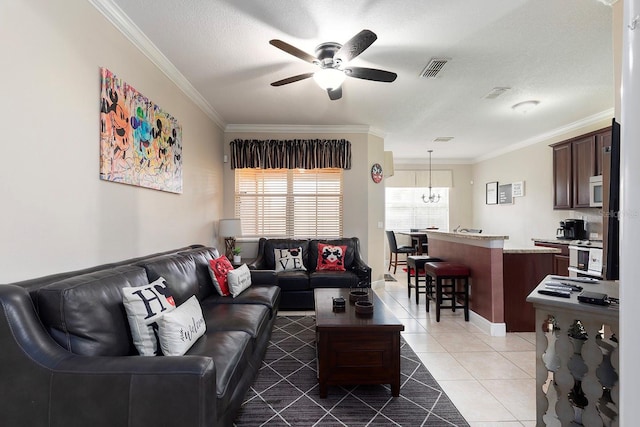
column 595, row 191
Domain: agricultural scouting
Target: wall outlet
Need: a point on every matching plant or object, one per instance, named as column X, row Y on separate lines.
column 380, row 224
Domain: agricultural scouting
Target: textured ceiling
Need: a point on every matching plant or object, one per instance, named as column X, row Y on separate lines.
column 556, row 51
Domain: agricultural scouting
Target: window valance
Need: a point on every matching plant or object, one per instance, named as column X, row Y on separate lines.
column 420, row 178
column 290, row 154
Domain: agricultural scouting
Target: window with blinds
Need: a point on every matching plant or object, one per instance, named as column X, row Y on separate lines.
column 404, row 209
column 292, row 203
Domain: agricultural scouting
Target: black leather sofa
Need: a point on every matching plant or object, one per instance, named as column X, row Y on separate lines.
column 67, row 357
column 297, row 286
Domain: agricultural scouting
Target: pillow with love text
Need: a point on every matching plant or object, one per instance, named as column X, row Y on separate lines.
column 289, row 259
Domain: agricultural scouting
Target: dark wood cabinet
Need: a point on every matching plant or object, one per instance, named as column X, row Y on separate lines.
column 561, row 265
column 561, row 260
column 603, row 140
column 522, row 273
column 583, row 156
column 562, row 184
column 574, row 162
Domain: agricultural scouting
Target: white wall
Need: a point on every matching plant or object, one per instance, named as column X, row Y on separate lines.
column 531, row 216
column 56, row 213
column 375, row 209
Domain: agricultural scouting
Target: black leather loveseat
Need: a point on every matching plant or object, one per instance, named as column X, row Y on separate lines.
column 297, row 285
column 67, row 358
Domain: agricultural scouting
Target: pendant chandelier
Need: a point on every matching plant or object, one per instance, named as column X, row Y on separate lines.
column 432, row 198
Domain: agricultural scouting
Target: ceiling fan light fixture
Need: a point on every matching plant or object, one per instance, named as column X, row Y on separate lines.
column 525, row 106
column 329, row 78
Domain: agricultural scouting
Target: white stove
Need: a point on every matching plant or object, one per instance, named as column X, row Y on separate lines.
column 585, row 260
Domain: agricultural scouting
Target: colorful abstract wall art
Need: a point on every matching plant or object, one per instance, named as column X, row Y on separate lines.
column 140, row 144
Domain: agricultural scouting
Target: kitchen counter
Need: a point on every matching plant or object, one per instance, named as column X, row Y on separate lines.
column 501, row 278
column 586, row 243
column 534, row 250
column 473, row 239
column 482, row 253
column 473, row 236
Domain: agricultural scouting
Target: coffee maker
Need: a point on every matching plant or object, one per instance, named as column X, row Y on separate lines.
column 571, row 229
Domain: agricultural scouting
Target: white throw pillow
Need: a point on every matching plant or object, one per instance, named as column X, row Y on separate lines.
column 144, row 305
column 182, row 327
column 239, row 280
column 288, row 259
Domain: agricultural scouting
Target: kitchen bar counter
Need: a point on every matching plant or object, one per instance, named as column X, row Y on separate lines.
column 463, row 235
column 534, row 250
column 482, row 253
column 501, row 278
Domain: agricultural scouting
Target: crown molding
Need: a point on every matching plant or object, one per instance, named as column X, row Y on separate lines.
column 359, row 129
column 587, row 121
column 130, row 30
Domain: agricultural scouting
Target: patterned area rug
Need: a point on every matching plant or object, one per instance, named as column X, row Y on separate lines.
column 286, row 390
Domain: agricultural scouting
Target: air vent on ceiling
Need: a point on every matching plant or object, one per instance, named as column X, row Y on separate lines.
column 496, row 92
column 434, row 67
column 443, row 139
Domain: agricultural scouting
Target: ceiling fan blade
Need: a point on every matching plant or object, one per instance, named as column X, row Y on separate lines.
column 335, row 94
column 292, row 79
column 356, row 45
column 371, row 74
column 292, row 50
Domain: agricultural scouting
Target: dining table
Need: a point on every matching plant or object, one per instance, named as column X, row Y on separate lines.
column 418, row 238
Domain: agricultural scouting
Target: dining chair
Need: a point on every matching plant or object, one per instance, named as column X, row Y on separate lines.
column 394, row 250
column 420, row 243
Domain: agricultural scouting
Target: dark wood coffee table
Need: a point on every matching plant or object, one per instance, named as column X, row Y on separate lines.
column 354, row 349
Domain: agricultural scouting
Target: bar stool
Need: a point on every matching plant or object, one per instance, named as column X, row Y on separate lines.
column 415, row 268
column 447, row 275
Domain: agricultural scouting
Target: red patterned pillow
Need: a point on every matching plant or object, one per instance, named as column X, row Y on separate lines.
column 331, row 257
column 218, row 268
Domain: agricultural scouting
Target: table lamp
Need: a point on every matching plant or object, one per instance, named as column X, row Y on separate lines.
column 230, row 229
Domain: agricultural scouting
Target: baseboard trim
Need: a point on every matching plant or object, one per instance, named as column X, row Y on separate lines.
column 493, row 329
column 378, row 284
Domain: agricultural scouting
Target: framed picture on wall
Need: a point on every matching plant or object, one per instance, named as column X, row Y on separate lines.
column 492, row 193
column 504, row 194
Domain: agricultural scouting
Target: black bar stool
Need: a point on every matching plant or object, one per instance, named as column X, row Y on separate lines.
column 415, row 268
column 447, row 277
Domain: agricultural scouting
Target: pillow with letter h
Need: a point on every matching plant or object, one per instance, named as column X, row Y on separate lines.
column 144, row 306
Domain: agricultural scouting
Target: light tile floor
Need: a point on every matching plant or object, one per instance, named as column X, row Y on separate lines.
column 491, row 380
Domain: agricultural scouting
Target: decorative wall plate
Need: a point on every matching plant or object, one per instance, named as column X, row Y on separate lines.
column 376, row 173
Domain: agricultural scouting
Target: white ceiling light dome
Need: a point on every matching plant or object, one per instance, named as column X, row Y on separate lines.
column 329, row 78
column 525, row 106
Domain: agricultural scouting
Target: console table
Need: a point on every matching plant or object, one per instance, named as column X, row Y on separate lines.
column 577, row 380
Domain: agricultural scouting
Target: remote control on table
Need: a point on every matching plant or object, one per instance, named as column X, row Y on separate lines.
column 564, row 285
column 555, row 293
column 576, row 279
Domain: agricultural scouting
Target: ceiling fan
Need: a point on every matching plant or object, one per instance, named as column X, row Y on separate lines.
column 332, row 58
